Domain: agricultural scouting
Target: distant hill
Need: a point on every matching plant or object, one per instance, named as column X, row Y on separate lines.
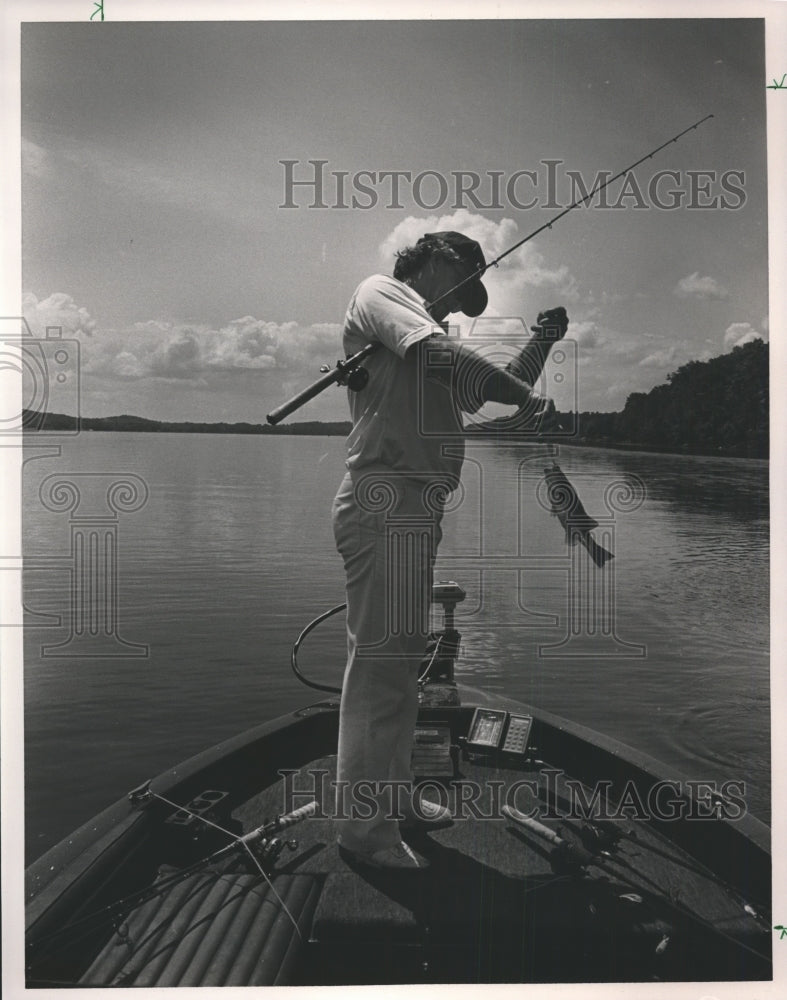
column 35, row 422
column 716, row 407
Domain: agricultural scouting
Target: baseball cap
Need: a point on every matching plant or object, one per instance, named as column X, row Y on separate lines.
column 472, row 296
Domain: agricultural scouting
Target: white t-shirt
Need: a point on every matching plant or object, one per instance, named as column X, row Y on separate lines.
column 403, row 420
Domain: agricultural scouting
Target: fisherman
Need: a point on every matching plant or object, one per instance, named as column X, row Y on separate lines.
column 404, row 459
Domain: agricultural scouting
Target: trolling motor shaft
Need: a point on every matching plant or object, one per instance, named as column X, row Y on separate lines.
column 442, row 648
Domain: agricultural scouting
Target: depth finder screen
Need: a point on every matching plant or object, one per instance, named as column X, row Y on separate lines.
column 487, row 727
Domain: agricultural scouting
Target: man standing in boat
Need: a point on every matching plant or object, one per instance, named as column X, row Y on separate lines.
column 404, row 459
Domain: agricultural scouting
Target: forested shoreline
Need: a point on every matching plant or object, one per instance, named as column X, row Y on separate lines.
column 715, row 407
column 710, row 407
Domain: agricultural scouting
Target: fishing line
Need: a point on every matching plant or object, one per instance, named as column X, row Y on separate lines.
column 570, row 208
column 345, row 369
column 234, row 837
column 238, row 841
column 141, row 896
column 679, row 907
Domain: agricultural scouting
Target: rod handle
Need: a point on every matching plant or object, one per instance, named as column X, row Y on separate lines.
column 290, row 819
column 336, row 375
column 533, row 825
column 280, row 823
column 303, row 397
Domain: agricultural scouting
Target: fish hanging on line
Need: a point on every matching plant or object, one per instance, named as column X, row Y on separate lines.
column 567, row 508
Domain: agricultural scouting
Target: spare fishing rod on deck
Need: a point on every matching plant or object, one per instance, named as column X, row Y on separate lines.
column 349, row 372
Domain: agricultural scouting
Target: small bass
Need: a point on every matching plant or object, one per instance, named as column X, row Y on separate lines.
column 567, row 508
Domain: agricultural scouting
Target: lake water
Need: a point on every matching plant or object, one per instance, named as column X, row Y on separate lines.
column 232, row 554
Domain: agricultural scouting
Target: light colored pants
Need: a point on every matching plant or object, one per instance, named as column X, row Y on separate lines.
column 387, row 530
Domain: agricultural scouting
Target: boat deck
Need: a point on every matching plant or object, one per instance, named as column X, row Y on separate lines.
column 498, row 902
column 494, row 906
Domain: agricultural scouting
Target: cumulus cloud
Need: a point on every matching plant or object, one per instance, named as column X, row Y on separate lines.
column 660, row 359
column 695, row 287
column 738, row 334
column 128, row 366
column 56, row 310
column 507, row 283
column 586, row 333
column 157, row 349
column 183, row 352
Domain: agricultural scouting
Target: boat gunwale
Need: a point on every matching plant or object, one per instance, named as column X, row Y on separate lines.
column 47, row 878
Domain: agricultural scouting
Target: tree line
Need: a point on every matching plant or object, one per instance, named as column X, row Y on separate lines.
column 710, row 407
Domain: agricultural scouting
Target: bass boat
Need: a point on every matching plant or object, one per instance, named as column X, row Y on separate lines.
column 571, row 858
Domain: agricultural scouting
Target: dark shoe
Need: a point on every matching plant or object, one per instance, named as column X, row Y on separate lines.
column 399, row 857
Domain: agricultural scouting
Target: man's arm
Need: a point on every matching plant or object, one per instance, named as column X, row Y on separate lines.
column 551, row 326
column 476, row 380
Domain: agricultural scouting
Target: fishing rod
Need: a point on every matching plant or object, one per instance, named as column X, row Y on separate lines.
column 260, row 842
column 349, row 371
column 567, row 857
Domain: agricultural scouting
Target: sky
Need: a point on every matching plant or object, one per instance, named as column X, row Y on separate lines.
column 155, row 166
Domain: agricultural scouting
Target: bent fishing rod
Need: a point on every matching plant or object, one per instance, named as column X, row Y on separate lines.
column 350, row 373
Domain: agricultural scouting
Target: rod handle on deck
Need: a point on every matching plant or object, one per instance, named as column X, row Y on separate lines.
column 290, row 819
column 533, row 825
column 280, row 823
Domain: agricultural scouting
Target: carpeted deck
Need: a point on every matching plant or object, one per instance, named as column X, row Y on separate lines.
column 494, row 907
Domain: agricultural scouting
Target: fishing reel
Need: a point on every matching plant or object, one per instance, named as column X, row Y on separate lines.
column 354, row 376
column 264, row 846
column 601, row 836
column 268, row 850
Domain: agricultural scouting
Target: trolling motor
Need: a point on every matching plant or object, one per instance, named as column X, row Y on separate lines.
column 442, row 648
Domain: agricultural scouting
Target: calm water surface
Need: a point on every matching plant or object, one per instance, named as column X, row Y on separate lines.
column 232, row 554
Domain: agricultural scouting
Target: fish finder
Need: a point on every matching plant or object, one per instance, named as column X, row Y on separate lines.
column 494, row 729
